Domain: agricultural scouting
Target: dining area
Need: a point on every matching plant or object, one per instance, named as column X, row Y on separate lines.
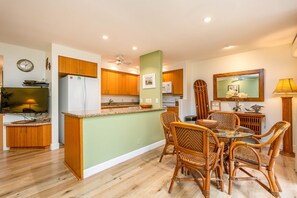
column 219, row 152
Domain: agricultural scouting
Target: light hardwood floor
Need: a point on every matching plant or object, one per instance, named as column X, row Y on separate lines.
column 41, row 173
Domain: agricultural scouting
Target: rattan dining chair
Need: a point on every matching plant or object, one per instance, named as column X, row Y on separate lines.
column 246, row 155
column 199, row 151
column 226, row 120
column 166, row 119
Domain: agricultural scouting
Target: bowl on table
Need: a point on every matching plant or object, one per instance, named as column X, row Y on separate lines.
column 207, row 123
column 145, row 105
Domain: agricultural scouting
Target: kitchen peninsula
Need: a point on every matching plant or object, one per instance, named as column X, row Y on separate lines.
column 97, row 140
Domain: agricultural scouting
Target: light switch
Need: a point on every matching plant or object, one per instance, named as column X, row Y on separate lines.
column 157, row 100
column 148, row 100
column 141, row 100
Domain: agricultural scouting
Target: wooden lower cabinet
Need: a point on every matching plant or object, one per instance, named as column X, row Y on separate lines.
column 28, row 136
column 173, row 109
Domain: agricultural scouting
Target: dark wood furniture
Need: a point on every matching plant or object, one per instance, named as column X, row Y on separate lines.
column 166, row 119
column 199, row 151
column 259, row 72
column 201, row 99
column 288, row 137
column 252, row 121
column 244, row 155
column 1, row 132
column 30, row 135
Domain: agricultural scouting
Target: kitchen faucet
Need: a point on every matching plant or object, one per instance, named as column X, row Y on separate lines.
column 110, row 101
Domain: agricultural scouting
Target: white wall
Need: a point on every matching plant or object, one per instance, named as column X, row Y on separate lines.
column 57, row 50
column 277, row 62
column 13, row 77
column 121, row 68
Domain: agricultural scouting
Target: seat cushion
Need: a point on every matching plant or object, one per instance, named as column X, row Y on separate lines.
column 198, row 159
column 247, row 155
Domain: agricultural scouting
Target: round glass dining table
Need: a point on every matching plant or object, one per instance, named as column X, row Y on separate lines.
column 241, row 132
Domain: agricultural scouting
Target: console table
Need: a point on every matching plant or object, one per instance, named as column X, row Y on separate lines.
column 250, row 120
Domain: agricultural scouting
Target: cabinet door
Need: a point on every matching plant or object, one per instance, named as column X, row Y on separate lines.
column 167, row 77
column 68, row 65
column 104, row 82
column 113, row 83
column 15, row 136
column 88, row 69
column 177, row 82
column 133, row 85
column 173, row 109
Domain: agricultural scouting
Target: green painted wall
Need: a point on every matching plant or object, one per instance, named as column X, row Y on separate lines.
column 151, row 63
column 107, row 137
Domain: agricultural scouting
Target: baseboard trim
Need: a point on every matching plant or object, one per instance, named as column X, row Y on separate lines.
column 110, row 163
column 55, row 146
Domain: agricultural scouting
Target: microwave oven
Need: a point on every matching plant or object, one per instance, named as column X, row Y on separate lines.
column 167, row 87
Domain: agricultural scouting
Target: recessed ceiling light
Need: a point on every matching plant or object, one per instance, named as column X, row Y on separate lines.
column 227, row 47
column 104, row 37
column 134, row 48
column 207, row 19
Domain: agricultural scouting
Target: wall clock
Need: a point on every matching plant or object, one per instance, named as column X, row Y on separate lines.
column 25, row 65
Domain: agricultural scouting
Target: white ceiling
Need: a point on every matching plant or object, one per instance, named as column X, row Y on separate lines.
column 174, row 26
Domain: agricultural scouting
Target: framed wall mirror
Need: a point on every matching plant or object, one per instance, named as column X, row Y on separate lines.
column 242, row 85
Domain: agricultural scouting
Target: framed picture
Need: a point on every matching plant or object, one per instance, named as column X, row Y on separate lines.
column 149, row 81
column 233, row 88
column 215, row 105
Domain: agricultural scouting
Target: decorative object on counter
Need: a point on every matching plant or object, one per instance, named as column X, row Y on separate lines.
column 149, row 81
column 145, row 105
column 254, row 109
column 286, row 87
column 201, row 99
column 25, row 65
column 215, row 105
column 237, row 105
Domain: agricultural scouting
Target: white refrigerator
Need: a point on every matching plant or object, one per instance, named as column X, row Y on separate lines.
column 76, row 93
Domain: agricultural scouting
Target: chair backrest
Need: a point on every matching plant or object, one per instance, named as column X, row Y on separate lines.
column 226, row 120
column 194, row 139
column 275, row 140
column 166, row 119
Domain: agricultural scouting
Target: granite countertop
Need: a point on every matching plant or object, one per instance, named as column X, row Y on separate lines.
column 119, row 105
column 28, row 123
column 110, row 111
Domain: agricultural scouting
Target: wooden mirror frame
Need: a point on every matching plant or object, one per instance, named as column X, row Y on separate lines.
column 261, row 85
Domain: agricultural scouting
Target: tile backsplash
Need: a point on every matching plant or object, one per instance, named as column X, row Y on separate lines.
column 105, row 98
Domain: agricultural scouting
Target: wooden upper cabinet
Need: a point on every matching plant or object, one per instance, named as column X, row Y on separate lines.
column 88, row 68
column 77, row 67
column 119, row 83
column 68, row 65
column 176, row 77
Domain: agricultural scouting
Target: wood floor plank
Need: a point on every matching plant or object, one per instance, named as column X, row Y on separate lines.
column 42, row 173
